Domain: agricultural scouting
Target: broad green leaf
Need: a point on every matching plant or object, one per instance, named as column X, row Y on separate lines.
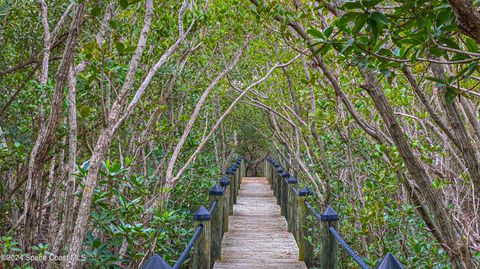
column 359, row 23
column 352, row 5
column 450, row 94
column 95, row 11
column 472, row 46
column 370, row 3
column 314, row 32
column 123, row 3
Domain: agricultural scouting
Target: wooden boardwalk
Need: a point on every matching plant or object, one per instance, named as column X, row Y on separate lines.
column 258, row 236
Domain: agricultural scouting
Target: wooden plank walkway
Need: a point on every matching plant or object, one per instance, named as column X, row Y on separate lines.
column 258, row 236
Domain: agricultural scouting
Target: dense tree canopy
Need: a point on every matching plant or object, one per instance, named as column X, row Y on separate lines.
column 117, row 116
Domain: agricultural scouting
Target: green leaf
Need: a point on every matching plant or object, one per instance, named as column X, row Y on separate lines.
column 123, row 3
column 359, row 23
column 471, row 45
column 370, row 3
column 379, row 18
column 448, row 42
column 113, row 24
column 436, row 51
column 373, row 26
column 120, row 47
column 314, row 32
column 95, row 11
column 450, row 94
column 328, row 31
column 352, row 5
column 436, row 80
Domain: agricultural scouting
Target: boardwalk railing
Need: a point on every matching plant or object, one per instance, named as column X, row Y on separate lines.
column 296, row 209
column 211, row 224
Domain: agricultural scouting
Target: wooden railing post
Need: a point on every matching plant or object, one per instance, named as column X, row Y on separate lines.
column 305, row 252
column 201, row 254
column 216, row 194
column 231, row 176
column 292, row 203
column 274, row 182
column 328, row 243
column 225, row 182
column 242, row 169
column 278, row 184
column 266, row 165
column 271, row 173
column 237, row 180
column 284, row 193
column 268, row 171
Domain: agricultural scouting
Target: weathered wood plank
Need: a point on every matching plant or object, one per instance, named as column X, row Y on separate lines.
column 258, row 236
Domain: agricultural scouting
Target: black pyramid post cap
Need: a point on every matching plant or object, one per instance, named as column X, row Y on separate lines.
column 305, row 191
column 280, row 170
column 216, row 190
column 156, row 262
column 390, row 262
column 224, row 181
column 202, row 214
column 234, row 167
column 276, row 165
column 292, row 180
column 329, row 215
column 285, row 174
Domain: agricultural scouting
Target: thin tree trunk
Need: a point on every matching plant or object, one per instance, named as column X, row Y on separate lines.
column 459, row 131
column 115, row 121
column 456, row 247
column 46, row 136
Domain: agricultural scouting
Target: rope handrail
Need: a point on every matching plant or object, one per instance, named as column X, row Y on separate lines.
column 210, row 223
column 295, row 190
column 349, row 249
column 282, row 182
column 315, row 213
column 212, row 206
column 337, row 236
column 187, row 249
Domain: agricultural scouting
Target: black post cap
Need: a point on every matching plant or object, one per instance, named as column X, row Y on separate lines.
column 224, row 181
column 202, row 214
column 285, row 174
column 305, row 191
column 329, row 215
column 229, row 171
column 216, row 190
column 280, row 170
column 276, row 165
column 156, row 262
column 292, row 180
column 390, row 262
